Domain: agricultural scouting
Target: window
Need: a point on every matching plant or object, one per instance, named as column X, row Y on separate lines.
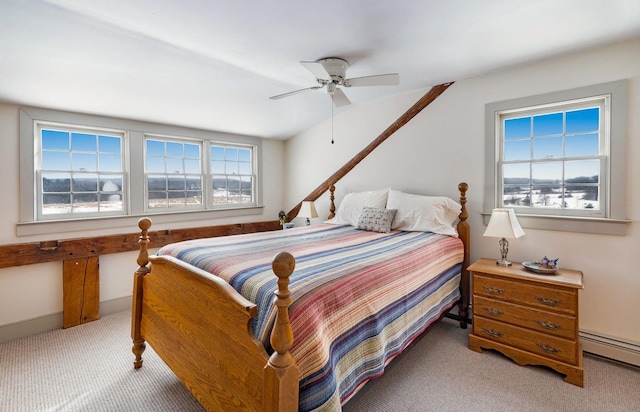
column 80, row 172
column 559, row 159
column 76, row 170
column 553, row 159
column 173, row 174
column 232, row 175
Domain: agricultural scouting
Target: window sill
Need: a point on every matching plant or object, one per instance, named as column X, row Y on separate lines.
column 571, row 224
column 129, row 223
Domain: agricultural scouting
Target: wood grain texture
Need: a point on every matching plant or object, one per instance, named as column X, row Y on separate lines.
column 81, row 291
column 531, row 318
column 423, row 102
column 52, row 251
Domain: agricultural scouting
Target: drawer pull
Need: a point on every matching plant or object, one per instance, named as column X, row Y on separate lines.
column 547, row 348
column 548, row 325
column 494, row 312
column 492, row 332
column 493, row 291
column 548, row 301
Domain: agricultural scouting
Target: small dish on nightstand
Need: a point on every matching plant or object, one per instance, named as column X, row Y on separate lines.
column 539, row 268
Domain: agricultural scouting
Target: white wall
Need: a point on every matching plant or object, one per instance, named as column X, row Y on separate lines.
column 34, row 291
column 444, row 145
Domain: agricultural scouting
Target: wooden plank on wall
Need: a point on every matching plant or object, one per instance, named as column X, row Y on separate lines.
column 81, row 291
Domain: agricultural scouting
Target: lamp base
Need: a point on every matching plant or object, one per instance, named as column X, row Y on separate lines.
column 503, row 263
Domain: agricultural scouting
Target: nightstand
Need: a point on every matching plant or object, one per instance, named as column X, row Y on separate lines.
column 531, row 318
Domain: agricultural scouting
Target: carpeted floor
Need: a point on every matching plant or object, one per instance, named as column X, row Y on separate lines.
column 89, row 368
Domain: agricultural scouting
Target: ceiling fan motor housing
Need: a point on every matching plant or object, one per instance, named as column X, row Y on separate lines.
column 336, row 67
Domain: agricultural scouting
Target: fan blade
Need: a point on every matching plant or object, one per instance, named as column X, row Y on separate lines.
column 339, row 98
column 318, row 70
column 280, row 96
column 390, row 79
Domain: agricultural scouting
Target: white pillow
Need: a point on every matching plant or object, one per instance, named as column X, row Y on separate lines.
column 351, row 206
column 423, row 213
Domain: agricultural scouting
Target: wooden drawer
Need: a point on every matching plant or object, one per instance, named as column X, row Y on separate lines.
column 543, row 321
column 534, row 342
column 527, row 293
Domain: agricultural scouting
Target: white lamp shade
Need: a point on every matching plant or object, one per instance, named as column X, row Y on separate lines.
column 504, row 224
column 308, row 210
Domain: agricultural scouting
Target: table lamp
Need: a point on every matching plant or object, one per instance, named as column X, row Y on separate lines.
column 503, row 224
column 308, row 210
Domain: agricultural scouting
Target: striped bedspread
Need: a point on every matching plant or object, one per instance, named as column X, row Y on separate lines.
column 359, row 298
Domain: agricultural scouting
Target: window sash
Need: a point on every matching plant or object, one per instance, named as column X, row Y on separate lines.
column 602, row 102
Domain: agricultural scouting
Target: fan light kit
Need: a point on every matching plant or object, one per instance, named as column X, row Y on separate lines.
column 331, row 72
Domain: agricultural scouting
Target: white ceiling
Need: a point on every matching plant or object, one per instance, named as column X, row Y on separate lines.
column 212, row 64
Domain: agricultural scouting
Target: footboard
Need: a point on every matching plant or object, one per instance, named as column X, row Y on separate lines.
column 200, row 326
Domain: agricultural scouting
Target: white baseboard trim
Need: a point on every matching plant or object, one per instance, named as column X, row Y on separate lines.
column 627, row 352
column 54, row 321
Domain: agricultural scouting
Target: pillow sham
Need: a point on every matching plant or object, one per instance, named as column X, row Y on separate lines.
column 376, row 220
column 423, row 213
column 351, row 206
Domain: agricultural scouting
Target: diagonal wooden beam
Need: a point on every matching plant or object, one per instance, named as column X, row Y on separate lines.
column 402, row 120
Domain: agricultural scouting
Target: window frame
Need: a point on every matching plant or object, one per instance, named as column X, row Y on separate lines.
column 614, row 221
column 133, row 152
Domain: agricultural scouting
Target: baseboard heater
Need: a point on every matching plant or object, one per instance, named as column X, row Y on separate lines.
column 623, row 351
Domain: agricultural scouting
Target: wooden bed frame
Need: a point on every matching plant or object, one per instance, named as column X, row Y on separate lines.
column 201, row 327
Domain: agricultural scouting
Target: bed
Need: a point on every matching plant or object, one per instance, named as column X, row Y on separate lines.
column 350, row 295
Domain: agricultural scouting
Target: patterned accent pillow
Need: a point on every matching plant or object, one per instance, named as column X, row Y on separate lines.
column 376, row 220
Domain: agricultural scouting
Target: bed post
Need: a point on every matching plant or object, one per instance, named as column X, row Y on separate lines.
column 281, row 372
column 463, row 232
column 332, row 204
column 139, row 344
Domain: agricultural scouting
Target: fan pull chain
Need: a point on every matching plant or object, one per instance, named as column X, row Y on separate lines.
column 331, row 100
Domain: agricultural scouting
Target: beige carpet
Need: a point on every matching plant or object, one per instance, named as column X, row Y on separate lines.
column 89, row 368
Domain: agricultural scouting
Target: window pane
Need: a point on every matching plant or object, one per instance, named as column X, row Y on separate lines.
column 56, row 203
column 217, row 167
column 548, row 147
column 582, row 145
column 245, row 168
column 109, row 184
column 83, row 142
column 55, row 160
column 176, row 183
column 109, row 144
column 585, row 171
column 155, row 165
column 231, row 153
column 110, row 163
column 192, row 151
column 82, row 161
column 174, row 165
column 546, row 172
column 517, row 128
column 231, row 168
column 586, row 120
column 194, row 183
column 547, row 196
column 175, row 149
column 55, row 140
column 516, row 195
column 84, row 183
column 192, row 166
column 517, row 173
column 56, row 182
column 517, row 150
column 84, row 203
column 217, row 153
column 547, row 124
column 244, row 155
column 156, row 183
column 155, row 148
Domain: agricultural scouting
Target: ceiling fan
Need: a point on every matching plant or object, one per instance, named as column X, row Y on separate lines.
column 330, row 73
